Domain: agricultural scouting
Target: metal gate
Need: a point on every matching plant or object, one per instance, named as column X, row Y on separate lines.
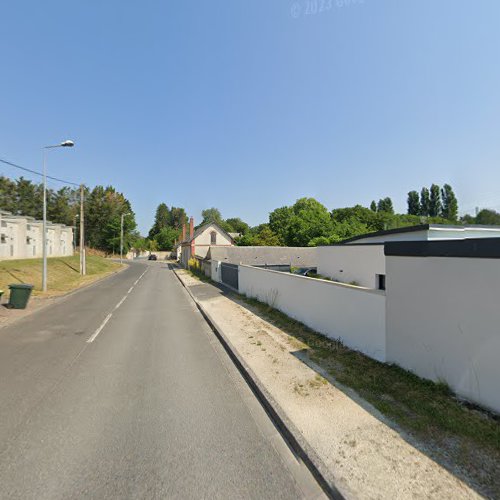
column 229, row 274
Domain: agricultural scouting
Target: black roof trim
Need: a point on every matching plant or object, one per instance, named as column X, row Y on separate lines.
column 477, row 248
column 406, row 229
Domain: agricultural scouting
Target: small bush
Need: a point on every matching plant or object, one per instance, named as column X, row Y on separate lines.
column 194, row 266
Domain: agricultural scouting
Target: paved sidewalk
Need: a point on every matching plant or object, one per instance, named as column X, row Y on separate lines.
column 349, row 441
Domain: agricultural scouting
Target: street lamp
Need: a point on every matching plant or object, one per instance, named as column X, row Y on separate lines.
column 65, row 144
column 121, row 236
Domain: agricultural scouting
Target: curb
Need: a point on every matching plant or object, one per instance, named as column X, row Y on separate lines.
column 285, row 427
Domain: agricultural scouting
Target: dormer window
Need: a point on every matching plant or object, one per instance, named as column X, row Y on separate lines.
column 213, row 238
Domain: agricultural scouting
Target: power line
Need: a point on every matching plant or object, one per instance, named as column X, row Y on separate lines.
column 38, row 173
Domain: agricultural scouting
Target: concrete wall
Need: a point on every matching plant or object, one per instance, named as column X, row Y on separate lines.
column 348, row 263
column 216, row 270
column 353, row 314
column 443, row 322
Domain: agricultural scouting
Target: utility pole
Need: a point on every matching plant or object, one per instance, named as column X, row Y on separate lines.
column 121, row 236
column 83, row 267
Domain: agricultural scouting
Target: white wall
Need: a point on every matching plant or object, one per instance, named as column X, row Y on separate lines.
column 203, row 241
column 355, row 315
column 443, row 322
column 347, row 263
column 216, row 271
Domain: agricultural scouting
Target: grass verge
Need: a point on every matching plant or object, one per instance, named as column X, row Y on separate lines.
column 63, row 273
column 418, row 405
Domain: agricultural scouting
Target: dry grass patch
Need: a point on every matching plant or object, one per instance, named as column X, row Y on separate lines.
column 63, row 273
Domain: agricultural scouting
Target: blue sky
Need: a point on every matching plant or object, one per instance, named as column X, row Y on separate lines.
column 249, row 105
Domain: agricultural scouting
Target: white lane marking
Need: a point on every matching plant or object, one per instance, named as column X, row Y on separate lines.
column 139, row 278
column 120, row 303
column 108, row 317
column 98, row 331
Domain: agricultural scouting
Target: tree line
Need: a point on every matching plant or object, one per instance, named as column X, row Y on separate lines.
column 434, row 202
column 103, row 207
column 309, row 223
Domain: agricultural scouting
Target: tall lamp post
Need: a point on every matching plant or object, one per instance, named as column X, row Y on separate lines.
column 121, row 236
column 65, row 144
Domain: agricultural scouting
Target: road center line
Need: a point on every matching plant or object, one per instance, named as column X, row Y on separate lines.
column 108, row 317
column 139, row 278
column 98, row 331
column 120, row 303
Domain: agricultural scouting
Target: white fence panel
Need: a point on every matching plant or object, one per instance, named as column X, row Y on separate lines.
column 443, row 322
column 352, row 314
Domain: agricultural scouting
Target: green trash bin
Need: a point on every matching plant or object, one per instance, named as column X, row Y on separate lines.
column 19, row 295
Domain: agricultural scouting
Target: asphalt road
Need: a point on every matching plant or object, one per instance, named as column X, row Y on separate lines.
column 122, row 391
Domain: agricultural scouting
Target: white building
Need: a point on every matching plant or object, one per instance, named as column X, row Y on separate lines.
column 198, row 242
column 361, row 260
column 427, row 232
column 21, row 238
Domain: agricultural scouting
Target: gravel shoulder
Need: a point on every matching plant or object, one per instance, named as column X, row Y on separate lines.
column 364, row 456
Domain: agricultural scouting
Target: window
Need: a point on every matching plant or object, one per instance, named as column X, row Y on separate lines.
column 380, row 281
column 3, row 238
column 213, row 238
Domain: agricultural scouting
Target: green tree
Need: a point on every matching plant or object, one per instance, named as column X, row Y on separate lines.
column 450, row 203
column 103, row 209
column 488, row 217
column 211, row 215
column 8, row 194
column 266, row 238
column 152, row 245
column 310, row 220
column 29, row 198
column 139, row 244
column 279, row 220
column 435, row 206
column 413, row 203
column 425, row 202
column 162, row 220
column 178, row 217
column 60, row 208
column 373, row 206
column 236, row 225
column 385, row 205
column 166, row 238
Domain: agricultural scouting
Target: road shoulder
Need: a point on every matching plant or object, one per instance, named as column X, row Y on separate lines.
column 37, row 303
column 352, row 448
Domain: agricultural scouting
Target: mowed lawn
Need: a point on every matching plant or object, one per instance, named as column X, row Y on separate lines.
column 63, row 273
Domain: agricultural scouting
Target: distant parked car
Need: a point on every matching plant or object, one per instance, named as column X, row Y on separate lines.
column 152, row 257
